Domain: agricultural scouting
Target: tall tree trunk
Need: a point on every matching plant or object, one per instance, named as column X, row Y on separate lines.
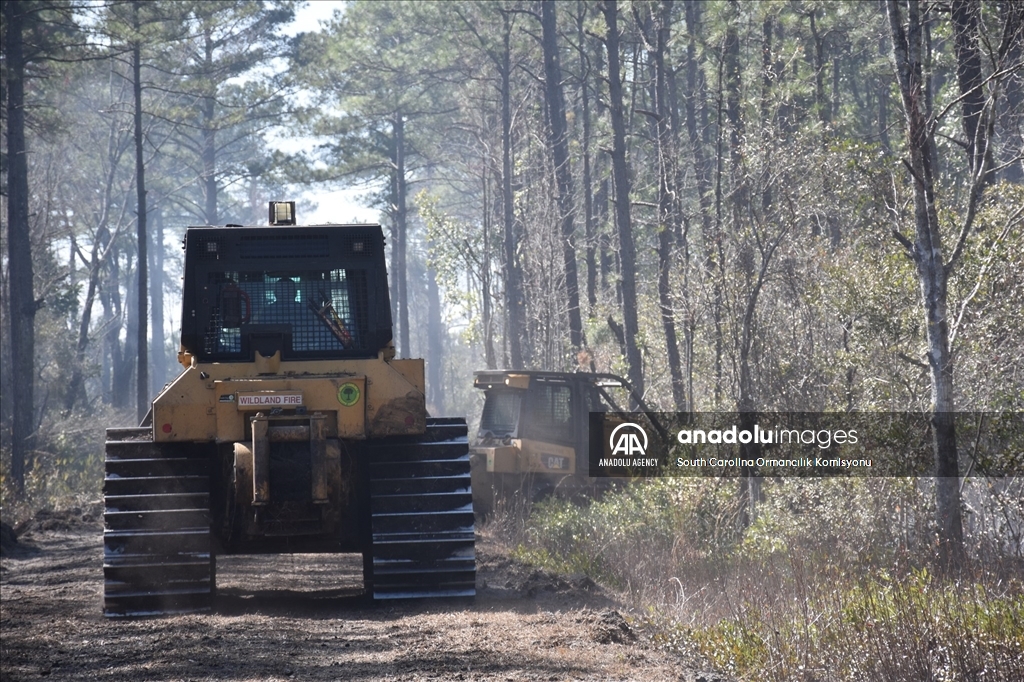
column 738, row 190
column 209, row 133
column 818, row 63
column 605, row 257
column 697, row 130
column 590, row 228
column 158, row 359
column 682, row 236
column 122, row 360
column 731, row 45
column 107, row 291
column 401, row 231
column 1012, row 111
column 767, row 79
column 487, row 304
column 972, row 86
column 824, row 106
column 76, row 385
column 142, row 236
column 883, row 99
column 563, row 173
column 22, row 301
column 667, row 191
column 515, row 299
column 695, row 96
column 435, row 345
column 127, row 382
column 740, row 196
column 392, row 268
column 620, row 174
column 932, row 273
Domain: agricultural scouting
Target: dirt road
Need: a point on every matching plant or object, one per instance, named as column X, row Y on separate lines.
column 298, row 617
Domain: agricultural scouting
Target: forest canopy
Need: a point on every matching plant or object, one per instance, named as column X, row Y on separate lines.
column 739, row 206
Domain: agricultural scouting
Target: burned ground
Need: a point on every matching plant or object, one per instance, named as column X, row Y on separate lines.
column 304, row 617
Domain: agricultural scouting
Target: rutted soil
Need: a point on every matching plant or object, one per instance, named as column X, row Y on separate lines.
column 295, row 617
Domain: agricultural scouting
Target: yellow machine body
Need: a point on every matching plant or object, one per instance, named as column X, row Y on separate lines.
column 534, row 437
column 361, row 398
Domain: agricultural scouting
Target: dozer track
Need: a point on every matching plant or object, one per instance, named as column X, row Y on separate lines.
column 157, row 557
column 422, row 515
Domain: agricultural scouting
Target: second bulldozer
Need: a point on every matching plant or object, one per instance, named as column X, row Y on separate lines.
column 535, row 432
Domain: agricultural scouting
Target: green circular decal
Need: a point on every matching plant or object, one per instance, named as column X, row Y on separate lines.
column 348, row 394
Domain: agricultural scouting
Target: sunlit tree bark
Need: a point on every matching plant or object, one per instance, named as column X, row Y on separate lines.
column 563, row 172
column 22, row 301
column 620, row 174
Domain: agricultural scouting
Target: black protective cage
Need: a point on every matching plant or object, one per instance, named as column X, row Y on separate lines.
column 309, row 292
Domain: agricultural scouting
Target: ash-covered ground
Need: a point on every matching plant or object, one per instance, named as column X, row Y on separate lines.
column 303, row 617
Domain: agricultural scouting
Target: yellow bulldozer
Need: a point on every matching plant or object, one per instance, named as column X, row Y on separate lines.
column 536, row 429
column 293, row 428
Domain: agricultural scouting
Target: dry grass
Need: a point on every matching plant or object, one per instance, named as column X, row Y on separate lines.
column 65, row 470
column 832, row 582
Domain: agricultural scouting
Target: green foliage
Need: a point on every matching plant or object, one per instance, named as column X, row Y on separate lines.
column 370, row 66
column 453, row 251
column 643, row 528
column 829, row 582
column 914, row 628
column 841, row 522
column 986, row 297
column 66, row 467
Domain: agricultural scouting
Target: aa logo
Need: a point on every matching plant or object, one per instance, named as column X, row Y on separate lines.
column 628, row 439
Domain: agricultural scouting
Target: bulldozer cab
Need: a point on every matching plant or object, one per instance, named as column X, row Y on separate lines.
column 534, row 434
column 308, row 293
column 550, row 407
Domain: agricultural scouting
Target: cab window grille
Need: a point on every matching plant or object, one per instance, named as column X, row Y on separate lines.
column 501, row 412
column 319, row 311
column 550, row 410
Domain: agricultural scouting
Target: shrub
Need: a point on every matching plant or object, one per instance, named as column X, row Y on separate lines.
column 830, row 582
column 630, row 537
column 66, row 468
